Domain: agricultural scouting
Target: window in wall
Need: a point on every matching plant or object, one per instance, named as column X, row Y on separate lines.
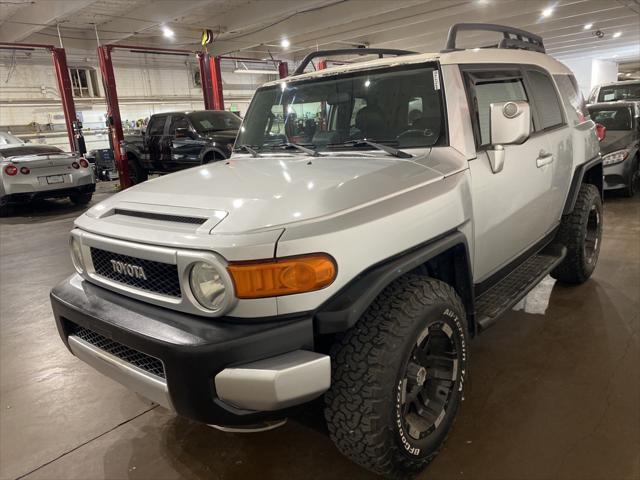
column 547, row 103
column 488, row 92
column 84, row 82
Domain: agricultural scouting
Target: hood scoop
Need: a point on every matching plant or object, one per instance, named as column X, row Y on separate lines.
column 161, row 216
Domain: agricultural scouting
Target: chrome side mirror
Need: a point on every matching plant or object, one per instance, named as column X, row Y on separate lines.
column 510, row 123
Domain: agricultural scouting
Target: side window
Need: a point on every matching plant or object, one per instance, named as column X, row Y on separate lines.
column 178, row 122
column 358, row 104
column 156, row 126
column 571, row 95
column 415, row 110
column 546, row 99
column 494, row 91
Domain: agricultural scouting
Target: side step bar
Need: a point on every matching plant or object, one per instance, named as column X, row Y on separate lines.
column 515, row 286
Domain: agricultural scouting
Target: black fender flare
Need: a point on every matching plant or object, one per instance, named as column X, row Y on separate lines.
column 343, row 309
column 592, row 171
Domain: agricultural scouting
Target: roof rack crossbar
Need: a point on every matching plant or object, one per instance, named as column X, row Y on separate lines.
column 348, row 51
column 513, row 37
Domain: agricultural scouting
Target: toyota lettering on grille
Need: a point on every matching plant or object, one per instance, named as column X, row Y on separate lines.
column 133, row 271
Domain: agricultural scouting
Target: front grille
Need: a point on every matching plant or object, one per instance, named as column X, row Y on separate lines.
column 138, row 359
column 148, row 275
column 161, row 216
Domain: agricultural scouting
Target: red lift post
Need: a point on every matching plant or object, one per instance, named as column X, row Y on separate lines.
column 64, row 82
column 210, row 76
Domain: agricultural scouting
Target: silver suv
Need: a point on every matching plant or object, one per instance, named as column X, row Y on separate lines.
column 373, row 218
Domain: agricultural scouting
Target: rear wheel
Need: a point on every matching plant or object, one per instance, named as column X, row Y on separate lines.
column 581, row 232
column 398, row 377
column 137, row 173
column 81, row 198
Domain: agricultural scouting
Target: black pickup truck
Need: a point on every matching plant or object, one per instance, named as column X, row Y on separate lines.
column 178, row 140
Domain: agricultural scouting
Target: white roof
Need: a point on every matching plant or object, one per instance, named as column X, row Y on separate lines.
column 460, row 57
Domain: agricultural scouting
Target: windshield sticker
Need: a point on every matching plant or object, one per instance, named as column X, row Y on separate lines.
column 436, row 80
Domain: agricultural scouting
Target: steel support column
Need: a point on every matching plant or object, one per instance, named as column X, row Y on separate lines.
column 113, row 114
column 211, row 79
column 283, row 69
column 66, row 93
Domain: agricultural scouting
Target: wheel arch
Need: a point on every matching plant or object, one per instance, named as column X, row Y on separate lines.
column 446, row 258
column 589, row 172
column 213, row 151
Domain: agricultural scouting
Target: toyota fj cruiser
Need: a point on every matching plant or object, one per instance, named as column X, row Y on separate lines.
column 373, row 218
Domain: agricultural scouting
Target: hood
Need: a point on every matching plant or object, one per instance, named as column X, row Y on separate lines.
column 271, row 191
column 616, row 140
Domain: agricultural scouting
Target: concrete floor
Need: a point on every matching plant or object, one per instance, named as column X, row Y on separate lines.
column 554, row 392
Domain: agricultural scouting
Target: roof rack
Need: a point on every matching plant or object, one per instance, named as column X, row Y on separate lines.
column 513, row 37
column 348, row 51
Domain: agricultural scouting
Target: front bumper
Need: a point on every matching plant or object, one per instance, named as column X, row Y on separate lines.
column 26, row 197
column 617, row 175
column 210, row 370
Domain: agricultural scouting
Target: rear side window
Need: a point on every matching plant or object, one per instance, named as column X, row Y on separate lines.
column 546, row 99
column 574, row 102
column 156, row 125
column 494, row 91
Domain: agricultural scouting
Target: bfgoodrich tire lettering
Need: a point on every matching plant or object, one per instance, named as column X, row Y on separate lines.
column 379, row 383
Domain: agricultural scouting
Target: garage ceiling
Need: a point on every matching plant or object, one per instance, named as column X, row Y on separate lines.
column 257, row 27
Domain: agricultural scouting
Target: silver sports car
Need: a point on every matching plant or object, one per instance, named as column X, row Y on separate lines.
column 29, row 171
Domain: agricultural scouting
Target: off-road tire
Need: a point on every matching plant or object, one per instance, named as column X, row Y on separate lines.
column 137, row 173
column 363, row 405
column 81, row 198
column 634, row 181
column 578, row 265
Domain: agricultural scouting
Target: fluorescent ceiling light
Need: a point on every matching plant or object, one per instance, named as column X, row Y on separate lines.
column 547, row 12
column 617, row 34
column 588, row 26
column 285, row 43
column 255, row 71
column 167, row 32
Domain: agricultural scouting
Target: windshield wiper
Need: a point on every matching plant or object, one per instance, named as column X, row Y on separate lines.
column 385, row 148
column 248, row 149
column 306, row 150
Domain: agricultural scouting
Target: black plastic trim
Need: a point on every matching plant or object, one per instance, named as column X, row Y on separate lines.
column 481, row 287
column 343, row 309
column 348, row 51
column 524, row 40
column 193, row 349
column 576, row 181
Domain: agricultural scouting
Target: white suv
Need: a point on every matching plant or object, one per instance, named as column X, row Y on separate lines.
column 373, row 218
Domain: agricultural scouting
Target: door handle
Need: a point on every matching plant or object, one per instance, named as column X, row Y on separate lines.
column 544, row 158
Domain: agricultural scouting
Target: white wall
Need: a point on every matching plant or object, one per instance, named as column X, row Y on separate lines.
column 146, row 84
column 590, row 72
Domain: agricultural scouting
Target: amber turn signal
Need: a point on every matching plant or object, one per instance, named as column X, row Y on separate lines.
column 283, row 276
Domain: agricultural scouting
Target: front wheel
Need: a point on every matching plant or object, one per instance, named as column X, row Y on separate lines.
column 398, row 377
column 633, row 184
column 581, row 233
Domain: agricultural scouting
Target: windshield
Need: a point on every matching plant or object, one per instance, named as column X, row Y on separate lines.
column 23, row 150
column 211, row 121
column 612, row 93
column 401, row 106
column 614, row 118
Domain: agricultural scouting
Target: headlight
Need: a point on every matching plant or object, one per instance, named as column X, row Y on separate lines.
column 76, row 254
column 207, row 286
column 615, row 157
